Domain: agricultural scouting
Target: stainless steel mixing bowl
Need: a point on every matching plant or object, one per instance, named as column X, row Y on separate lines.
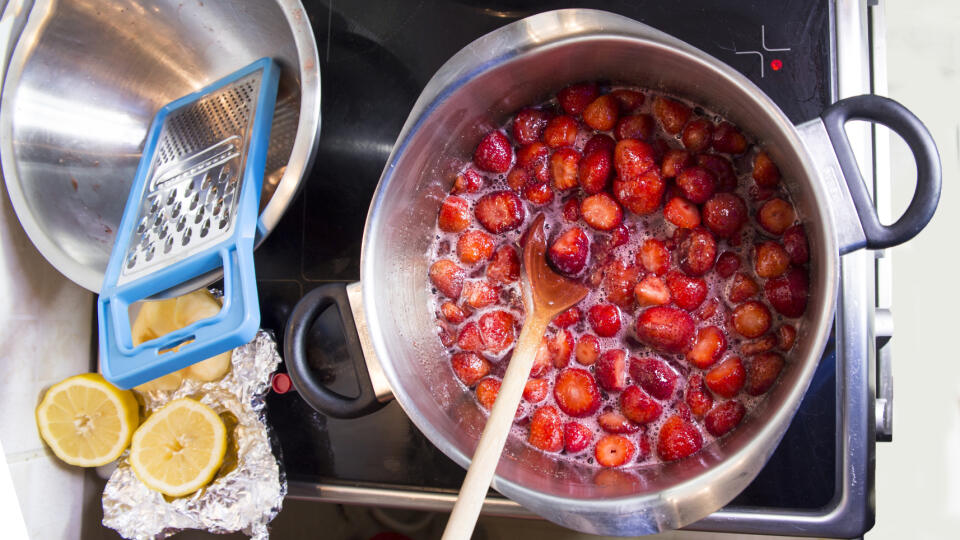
column 84, row 82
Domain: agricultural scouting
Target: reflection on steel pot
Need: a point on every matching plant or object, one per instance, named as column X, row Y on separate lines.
column 476, row 90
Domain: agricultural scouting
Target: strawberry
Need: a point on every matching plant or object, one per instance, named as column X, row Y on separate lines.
column 728, row 139
column 518, row 179
column 742, row 288
column 479, row 294
column 505, row 266
column 642, row 195
column 499, row 212
column 560, row 131
column 671, row 113
column 761, row 345
column 687, row 292
column 546, row 429
column 638, row 407
column 561, row 346
column 538, row 193
column 543, row 361
column 602, row 113
column 632, row 158
column 775, row 216
column 697, row 135
column 710, row 346
column 652, row 291
column 487, row 391
column 568, row 253
column 619, row 280
column 751, row 319
column 697, row 397
column 575, row 98
column 599, row 143
column 655, row 376
column 696, row 183
column 469, row 181
column 571, row 209
column 594, row 173
column 722, row 170
column 638, row 126
column 654, row 256
column 564, row 164
column 619, row 236
column 534, row 158
column 454, row 215
column 786, row 337
column 568, row 318
column 587, row 350
column 446, row 334
column 675, row 162
column 614, row 450
column 447, row 277
column 682, row 213
column 614, row 422
column 763, row 372
column 708, row 309
column 724, row 417
column 611, row 370
column 469, row 338
column 474, row 246
column 604, row 319
column 496, row 329
column 601, row 212
column 788, row 293
column 528, row 125
column 628, row 99
column 452, row 313
column 576, row 392
column 726, row 378
column 666, row 329
column 469, row 367
column 576, row 437
column 678, row 439
column 724, row 214
column 536, row 390
column 494, row 153
column 727, row 264
column 765, row 172
column 795, row 242
column 770, row 259
column 698, row 252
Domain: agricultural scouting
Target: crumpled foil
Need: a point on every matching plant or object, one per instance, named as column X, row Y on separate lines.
column 247, row 492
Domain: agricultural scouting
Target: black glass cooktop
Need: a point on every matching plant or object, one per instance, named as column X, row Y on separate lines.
column 375, row 58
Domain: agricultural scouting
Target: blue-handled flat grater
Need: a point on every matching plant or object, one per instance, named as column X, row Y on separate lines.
column 193, row 207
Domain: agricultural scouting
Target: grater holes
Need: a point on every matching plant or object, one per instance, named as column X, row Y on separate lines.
column 132, row 260
column 144, row 224
column 172, row 196
column 181, row 223
column 199, row 216
column 162, row 233
column 218, row 207
column 168, row 245
column 186, row 237
column 176, row 210
column 205, row 228
column 194, row 201
column 148, row 255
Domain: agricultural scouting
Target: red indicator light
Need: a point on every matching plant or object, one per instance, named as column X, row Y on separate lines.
column 776, row 64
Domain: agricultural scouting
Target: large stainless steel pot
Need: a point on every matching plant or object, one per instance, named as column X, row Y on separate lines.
column 476, row 90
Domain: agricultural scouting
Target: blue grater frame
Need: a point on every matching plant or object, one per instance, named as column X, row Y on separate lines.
column 239, row 319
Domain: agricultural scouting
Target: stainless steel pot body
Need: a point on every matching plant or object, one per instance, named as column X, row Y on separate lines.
column 476, row 91
column 84, row 83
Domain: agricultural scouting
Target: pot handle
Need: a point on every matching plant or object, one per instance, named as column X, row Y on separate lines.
column 885, row 111
column 310, row 388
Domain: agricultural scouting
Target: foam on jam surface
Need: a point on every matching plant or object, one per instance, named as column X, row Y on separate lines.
column 601, row 253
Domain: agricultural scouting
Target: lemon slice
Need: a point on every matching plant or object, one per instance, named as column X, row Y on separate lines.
column 86, row 420
column 179, row 448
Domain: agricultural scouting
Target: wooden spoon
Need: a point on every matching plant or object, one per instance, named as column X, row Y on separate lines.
column 545, row 295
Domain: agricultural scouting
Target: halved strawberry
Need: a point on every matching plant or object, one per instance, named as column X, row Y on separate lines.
column 652, row 291
column 698, row 252
column 666, row 329
column 599, row 143
column 474, row 246
column 722, row 170
column 761, row 345
column 708, row 309
column 611, row 370
column 561, row 347
column 587, row 350
column 655, row 376
column 788, row 293
column 614, row 450
column 568, row 318
column 575, row 98
column 726, row 378
column 628, row 99
column 654, row 256
column 678, row 439
column 724, row 214
column 763, row 372
column 632, row 158
column 601, row 212
column 447, row 277
column 452, row 313
column 727, row 264
column 469, row 338
column 697, row 397
column 671, row 113
column 619, row 281
column 687, row 292
column 446, row 334
column 724, row 417
column 469, row 367
column 682, row 213
column 487, row 391
column 546, row 429
column 641, row 195
column 619, row 236
column 638, row 407
column 710, row 346
column 576, row 392
column 560, row 131
column 469, row 181
column 563, row 168
column 604, row 319
column 614, row 422
column 576, row 437
column 602, row 113
column 571, row 209
column 728, row 139
column 637, row 126
column 454, row 214
column 543, row 362
column 786, row 337
column 496, row 328
column 500, row 211
column 594, row 173
column 742, row 287
column 534, row 158
column 795, row 242
column 494, row 153
column 765, row 172
column 776, row 216
column 751, row 319
column 674, row 162
column 538, row 193
column 479, row 294
column 536, row 390
column 528, row 125
column 770, row 259
column 518, row 179
column 697, row 184
column 697, row 135
column 568, row 253
column 505, row 266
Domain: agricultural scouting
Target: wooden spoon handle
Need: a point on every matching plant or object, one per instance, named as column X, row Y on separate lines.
column 495, row 432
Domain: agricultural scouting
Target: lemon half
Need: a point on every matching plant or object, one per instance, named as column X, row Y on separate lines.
column 87, row 421
column 179, row 449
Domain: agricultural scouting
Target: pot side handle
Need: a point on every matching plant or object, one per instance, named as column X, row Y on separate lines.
column 310, row 388
column 885, row 111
